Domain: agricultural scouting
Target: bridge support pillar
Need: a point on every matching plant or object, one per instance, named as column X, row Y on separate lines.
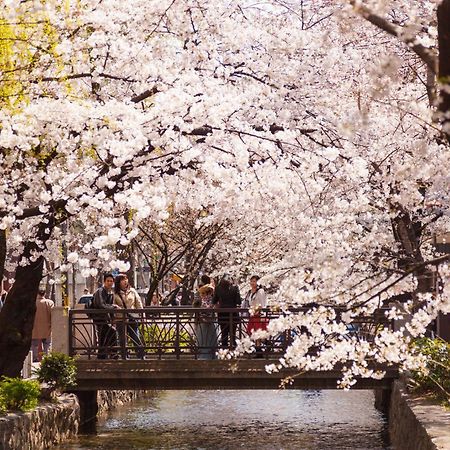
column 383, row 400
column 88, row 409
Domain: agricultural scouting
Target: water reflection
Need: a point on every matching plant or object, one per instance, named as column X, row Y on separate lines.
column 228, row 420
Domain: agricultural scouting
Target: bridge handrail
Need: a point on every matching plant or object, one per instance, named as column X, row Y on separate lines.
column 180, row 331
column 379, row 312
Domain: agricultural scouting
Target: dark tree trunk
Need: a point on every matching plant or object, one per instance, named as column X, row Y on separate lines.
column 2, row 256
column 17, row 315
column 407, row 232
column 151, row 290
column 17, row 318
column 443, row 16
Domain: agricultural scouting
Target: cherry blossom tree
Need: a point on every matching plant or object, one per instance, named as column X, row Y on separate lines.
column 181, row 246
column 390, row 256
column 309, row 132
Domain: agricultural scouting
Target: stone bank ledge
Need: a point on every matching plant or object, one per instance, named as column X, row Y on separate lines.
column 47, row 425
column 108, row 400
column 417, row 423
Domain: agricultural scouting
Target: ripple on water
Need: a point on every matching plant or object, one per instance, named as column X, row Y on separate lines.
column 262, row 420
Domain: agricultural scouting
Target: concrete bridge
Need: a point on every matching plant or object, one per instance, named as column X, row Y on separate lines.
column 216, row 374
column 175, row 347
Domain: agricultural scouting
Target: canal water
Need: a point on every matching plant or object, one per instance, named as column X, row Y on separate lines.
column 250, row 420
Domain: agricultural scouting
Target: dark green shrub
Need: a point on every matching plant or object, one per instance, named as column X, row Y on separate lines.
column 436, row 380
column 58, row 371
column 18, row 394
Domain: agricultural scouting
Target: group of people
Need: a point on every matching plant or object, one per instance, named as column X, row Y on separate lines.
column 226, row 295
column 116, row 328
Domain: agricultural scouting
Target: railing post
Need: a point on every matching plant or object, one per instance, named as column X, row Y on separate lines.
column 177, row 334
column 230, row 330
column 71, row 351
column 27, row 365
column 239, row 326
column 61, row 330
column 123, row 335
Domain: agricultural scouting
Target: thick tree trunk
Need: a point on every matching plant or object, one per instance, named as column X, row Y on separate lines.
column 17, row 318
column 17, row 315
column 443, row 16
column 407, row 232
column 2, row 255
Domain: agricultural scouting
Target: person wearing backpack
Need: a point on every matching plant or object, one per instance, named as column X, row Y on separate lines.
column 106, row 332
column 226, row 295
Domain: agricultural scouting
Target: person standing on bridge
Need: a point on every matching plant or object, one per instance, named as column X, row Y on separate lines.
column 227, row 295
column 156, row 299
column 106, row 332
column 205, row 325
column 204, row 280
column 42, row 327
column 127, row 297
column 256, row 300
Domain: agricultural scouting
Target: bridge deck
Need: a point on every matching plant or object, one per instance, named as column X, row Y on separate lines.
column 198, row 374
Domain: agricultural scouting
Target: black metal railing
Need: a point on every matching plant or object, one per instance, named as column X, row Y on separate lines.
column 186, row 332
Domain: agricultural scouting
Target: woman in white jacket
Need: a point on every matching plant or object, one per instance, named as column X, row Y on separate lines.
column 256, row 300
column 127, row 298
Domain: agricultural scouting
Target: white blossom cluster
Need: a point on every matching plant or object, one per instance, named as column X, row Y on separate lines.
column 298, row 123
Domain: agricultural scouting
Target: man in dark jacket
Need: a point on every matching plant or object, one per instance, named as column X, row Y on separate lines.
column 106, row 332
column 227, row 295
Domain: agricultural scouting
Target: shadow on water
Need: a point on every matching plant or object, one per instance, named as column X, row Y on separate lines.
column 88, row 428
column 228, row 420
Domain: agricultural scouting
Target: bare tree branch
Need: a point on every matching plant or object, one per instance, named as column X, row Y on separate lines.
column 145, row 94
column 427, row 55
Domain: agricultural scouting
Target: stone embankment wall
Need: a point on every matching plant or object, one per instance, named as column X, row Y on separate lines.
column 47, row 425
column 417, row 423
column 52, row 423
column 108, row 400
